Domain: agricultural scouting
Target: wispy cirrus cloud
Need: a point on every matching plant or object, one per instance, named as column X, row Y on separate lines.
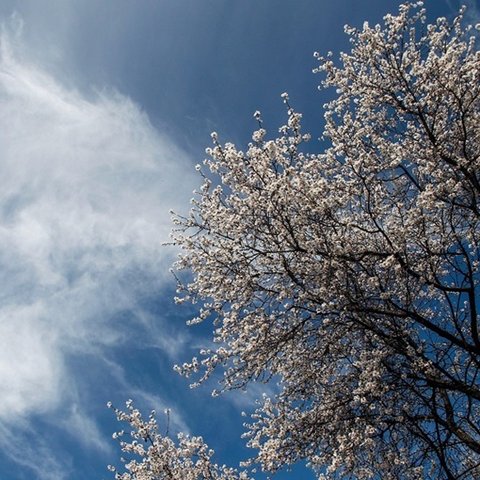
column 85, row 191
column 31, row 451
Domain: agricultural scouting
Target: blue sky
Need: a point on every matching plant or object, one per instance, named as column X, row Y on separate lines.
column 106, row 106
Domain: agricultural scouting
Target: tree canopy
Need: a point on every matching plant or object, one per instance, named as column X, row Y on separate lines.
column 350, row 277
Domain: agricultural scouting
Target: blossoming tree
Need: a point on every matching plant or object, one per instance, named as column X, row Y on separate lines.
column 350, row 277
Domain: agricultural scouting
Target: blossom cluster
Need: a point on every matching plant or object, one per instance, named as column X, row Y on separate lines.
column 153, row 456
column 350, row 277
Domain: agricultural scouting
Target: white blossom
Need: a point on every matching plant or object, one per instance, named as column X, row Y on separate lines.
column 350, row 277
column 153, row 456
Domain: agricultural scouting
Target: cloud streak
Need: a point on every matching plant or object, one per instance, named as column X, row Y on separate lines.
column 85, row 191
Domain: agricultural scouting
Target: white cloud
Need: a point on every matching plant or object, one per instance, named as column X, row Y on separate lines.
column 30, row 450
column 78, row 423
column 85, row 190
column 30, row 361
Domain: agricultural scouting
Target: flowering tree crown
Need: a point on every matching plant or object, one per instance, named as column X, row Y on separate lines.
column 351, row 276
